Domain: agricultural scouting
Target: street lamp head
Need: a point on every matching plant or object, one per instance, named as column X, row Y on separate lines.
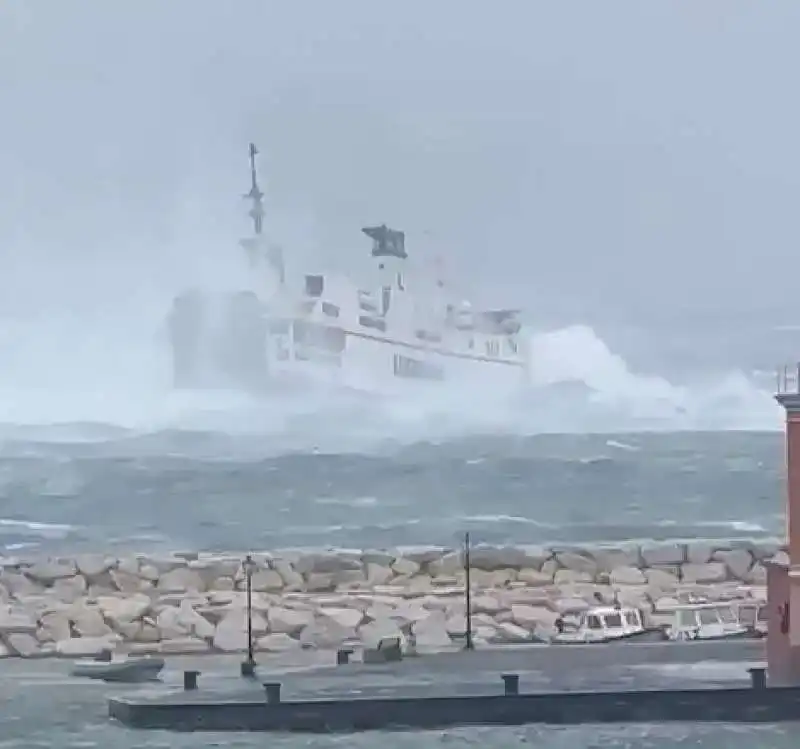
column 249, row 565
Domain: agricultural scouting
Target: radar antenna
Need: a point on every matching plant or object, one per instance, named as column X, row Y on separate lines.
column 257, row 211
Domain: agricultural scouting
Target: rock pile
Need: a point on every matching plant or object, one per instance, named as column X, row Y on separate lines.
column 192, row 603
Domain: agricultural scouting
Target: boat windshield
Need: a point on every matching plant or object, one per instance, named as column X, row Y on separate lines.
column 593, row 622
column 763, row 614
column 726, row 615
column 747, row 615
column 709, row 616
column 613, row 620
column 632, row 619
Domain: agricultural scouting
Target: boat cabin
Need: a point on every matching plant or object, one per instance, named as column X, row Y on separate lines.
column 754, row 615
column 704, row 621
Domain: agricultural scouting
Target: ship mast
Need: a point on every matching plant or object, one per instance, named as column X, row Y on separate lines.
column 254, row 245
column 257, row 211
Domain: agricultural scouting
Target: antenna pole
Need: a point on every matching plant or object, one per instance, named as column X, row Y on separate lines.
column 257, row 211
column 468, row 644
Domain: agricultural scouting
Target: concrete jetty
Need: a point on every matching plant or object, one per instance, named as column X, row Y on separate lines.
column 504, row 685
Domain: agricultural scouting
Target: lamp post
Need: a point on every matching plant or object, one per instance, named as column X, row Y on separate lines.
column 249, row 664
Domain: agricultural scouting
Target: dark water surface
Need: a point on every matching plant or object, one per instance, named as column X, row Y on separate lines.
column 204, row 490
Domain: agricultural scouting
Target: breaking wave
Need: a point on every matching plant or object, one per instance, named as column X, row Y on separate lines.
column 73, row 379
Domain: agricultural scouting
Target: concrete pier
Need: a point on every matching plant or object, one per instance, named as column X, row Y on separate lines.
column 505, row 686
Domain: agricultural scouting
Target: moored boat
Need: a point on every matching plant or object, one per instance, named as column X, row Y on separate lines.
column 130, row 670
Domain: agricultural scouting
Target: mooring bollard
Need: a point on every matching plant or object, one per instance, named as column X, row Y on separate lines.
column 273, row 690
column 190, row 680
column 343, row 656
column 511, row 684
column 247, row 669
column 758, row 678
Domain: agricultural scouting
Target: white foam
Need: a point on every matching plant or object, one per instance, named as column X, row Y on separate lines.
column 35, row 528
column 112, row 367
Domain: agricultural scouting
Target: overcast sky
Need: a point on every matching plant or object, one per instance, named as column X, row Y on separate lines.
column 589, row 157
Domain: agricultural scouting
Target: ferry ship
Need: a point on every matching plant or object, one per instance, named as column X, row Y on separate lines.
column 402, row 328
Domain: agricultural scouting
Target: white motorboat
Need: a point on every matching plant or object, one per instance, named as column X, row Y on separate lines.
column 605, row 624
column 706, row 621
column 130, row 670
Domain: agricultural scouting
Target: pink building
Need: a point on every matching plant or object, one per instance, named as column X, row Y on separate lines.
column 783, row 571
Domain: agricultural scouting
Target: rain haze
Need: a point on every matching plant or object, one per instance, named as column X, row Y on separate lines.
column 624, row 172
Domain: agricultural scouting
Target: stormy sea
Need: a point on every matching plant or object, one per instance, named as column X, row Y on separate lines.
column 596, row 455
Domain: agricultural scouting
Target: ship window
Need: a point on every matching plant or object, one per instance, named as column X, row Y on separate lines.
column 613, row 620
column 317, row 336
column 631, row 619
column 492, row 348
column 315, row 285
column 593, row 622
column 372, row 322
column 687, row 618
column 331, row 310
column 763, row 614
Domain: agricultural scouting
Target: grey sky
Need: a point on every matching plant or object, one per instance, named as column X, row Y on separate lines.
column 577, row 157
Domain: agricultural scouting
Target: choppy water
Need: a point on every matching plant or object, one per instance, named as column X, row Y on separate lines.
column 206, row 490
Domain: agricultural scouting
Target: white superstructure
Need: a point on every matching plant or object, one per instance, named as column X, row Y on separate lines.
column 401, row 327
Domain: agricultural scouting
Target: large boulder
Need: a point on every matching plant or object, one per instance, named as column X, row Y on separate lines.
column 181, row 580
column 430, row 634
column 531, row 618
column 627, row 576
column 327, row 563
column 577, row 562
column 288, row 621
column 89, row 622
column 47, row 571
column 277, row 643
column 713, row 572
column 491, row 559
column 53, row 626
column 405, row 566
column 120, row 610
column 325, row 633
column 347, row 618
column 94, row 566
column 23, row 644
column 16, row 621
column 86, row 647
column 663, row 554
column 231, row 632
column 737, row 561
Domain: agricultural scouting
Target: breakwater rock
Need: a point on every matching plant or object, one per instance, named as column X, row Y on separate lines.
column 195, row 603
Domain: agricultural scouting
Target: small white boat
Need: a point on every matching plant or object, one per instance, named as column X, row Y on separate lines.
column 124, row 670
column 706, row 621
column 604, row 624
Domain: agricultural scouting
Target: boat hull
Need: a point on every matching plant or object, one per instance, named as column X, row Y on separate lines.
column 131, row 671
column 647, row 635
